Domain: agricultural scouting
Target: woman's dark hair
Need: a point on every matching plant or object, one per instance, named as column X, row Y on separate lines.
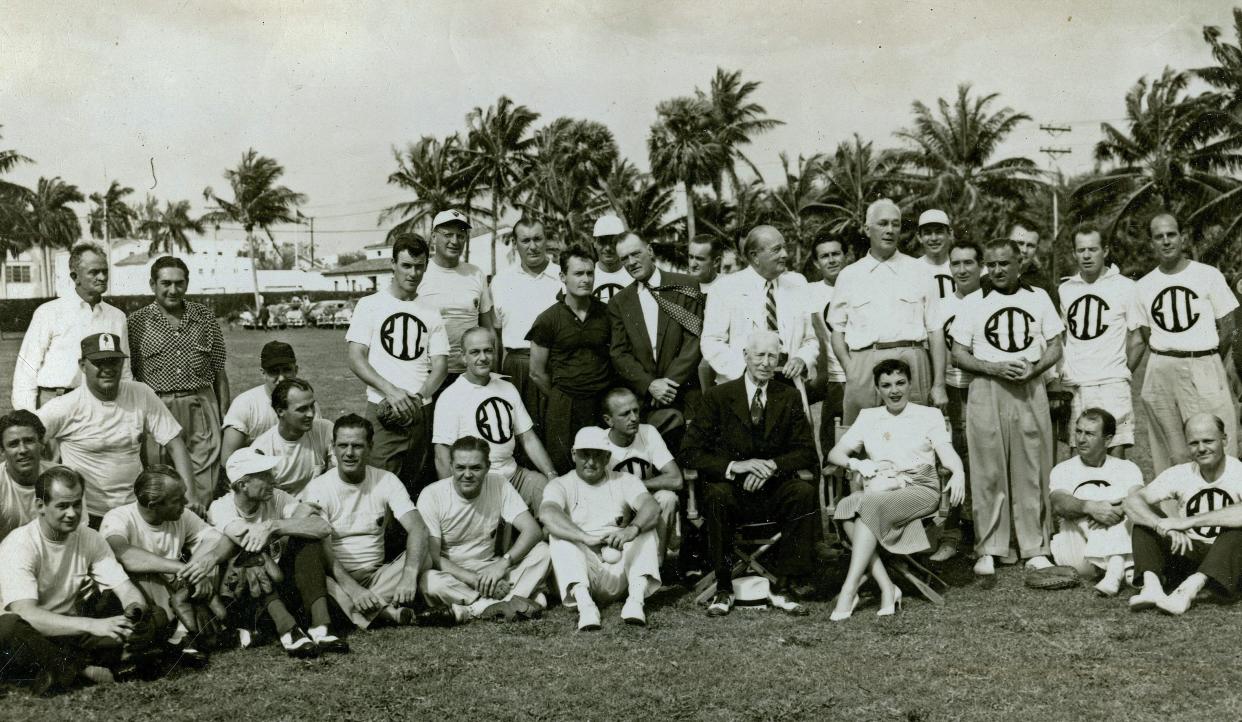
column 890, row 366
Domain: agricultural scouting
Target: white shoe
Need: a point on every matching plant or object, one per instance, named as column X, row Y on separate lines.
column 985, row 566
column 588, row 617
column 1148, row 597
column 1176, row 603
column 1108, row 586
column 541, row 599
column 945, row 552
column 1036, row 563
column 632, row 612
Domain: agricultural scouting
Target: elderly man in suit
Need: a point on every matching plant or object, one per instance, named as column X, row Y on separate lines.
column 656, row 323
column 748, row 438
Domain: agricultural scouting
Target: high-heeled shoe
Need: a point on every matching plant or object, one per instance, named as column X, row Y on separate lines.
column 842, row 616
column 890, row 611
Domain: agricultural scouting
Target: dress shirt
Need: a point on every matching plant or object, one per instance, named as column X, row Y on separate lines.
column 53, row 344
column 651, row 310
column 751, row 387
column 736, row 308
column 518, row 297
column 884, row 301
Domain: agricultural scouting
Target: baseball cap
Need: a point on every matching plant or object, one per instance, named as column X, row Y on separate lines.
column 100, row 346
column 608, row 225
column 276, row 353
column 591, row 437
column 934, row 215
column 450, row 216
column 246, row 461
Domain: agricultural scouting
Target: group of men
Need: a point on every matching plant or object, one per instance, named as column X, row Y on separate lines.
column 544, row 422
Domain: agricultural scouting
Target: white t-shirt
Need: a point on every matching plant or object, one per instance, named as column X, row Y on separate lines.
column 301, row 460
column 400, row 336
column 1194, row 495
column 946, row 312
column 645, row 455
column 224, row 511
column 101, row 440
column 941, row 275
column 494, row 412
column 818, row 298
column 1098, row 318
column 519, row 297
column 596, row 509
column 906, row 440
column 608, row 283
column 16, row 502
column 163, row 540
column 359, row 513
column 1111, row 482
column 1181, row 309
column 461, row 295
column 55, row 574
column 251, row 413
column 466, row 528
column 1002, row 327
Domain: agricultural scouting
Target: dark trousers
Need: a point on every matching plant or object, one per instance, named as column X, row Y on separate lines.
column 405, row 452
column 517, row 367
column 958, row 398
column 564, row 416
column 302, row 564
column 1220, row 561
column 789, row 501
column 832, row 394
column 24, row 653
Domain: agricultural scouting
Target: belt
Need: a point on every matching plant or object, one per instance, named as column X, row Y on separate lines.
column 181, row 393
column 516, row 350
column 1186, row 354
column 58, row 390
column 886, row 345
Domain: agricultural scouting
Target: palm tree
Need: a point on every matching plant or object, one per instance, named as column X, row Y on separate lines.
column 13, row 199
column 571, row 161
column 682, row 147
column 48, row 222
column 112, row 217
column 498, row 153
column 735, row 118
column 951, row 163
column 1226, row 75
column 432, row 170
column 856, row 175
column 799, row 205
column 732, row 220
column 169, row 229
column 258, row 203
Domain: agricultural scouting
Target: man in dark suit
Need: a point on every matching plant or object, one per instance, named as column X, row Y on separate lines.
column 748, row 438
column 656, row 322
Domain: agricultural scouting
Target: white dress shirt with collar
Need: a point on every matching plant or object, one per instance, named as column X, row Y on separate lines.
column 736, row 308
column 651, row 309
column 53, row 344
column 751, row 388
column 884, row 301
column 519, row 296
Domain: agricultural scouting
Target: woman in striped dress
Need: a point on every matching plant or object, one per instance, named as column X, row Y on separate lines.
column 895, row 486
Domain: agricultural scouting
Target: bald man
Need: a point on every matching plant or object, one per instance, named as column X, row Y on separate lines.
column 1188, row 524
column 885, row 307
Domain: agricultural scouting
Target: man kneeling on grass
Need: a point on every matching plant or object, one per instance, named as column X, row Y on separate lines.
column 280, row 564
column 596, row 553
column 463, row 514
column 59, row 578
column 1199, row 536
column 358, row 500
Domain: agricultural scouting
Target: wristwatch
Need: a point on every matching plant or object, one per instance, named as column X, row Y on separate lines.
column 508, row 558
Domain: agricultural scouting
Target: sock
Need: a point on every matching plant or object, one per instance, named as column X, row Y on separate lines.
column 474, row 608
column 582, row 596
column 179, row 634
column 1151, row 581
column 281, row 617
column 317, row 632
column 463, row 613
column 1116, row 567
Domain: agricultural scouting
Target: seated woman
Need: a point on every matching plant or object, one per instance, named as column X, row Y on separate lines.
column 895, row 487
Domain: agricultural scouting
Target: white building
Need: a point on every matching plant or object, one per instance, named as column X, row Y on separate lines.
column 374, row 271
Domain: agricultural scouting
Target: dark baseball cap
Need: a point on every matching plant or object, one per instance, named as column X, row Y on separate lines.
column 100, row 346
column 276, row 353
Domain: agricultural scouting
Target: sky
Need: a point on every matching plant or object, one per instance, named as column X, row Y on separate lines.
column 96, row 92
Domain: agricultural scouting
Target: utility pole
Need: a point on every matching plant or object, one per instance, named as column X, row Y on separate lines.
column 1052, row 153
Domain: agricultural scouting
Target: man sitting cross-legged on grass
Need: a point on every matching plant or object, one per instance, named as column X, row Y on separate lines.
column 596, row 553
column 1087, row 492
column 1199, row 536
column 53, row 574
column 462, row 514
column 148, row 537
column 301, row 441
column 358, row 500
column 280, row 558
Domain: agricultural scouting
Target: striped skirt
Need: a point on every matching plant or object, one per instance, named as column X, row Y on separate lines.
column 894, row 517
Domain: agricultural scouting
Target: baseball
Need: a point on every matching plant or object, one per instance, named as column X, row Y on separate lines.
column 610, row 555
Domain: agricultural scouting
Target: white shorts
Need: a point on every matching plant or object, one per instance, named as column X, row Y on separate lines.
column 1113, row 397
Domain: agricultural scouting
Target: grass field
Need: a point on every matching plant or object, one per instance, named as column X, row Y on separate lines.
column 1004, row 653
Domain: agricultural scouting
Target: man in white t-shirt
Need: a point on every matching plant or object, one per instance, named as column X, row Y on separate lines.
column 1188, row 523
column 455, row 288
column 829, row 383
column 99, row 428
column 638, row 449
column 1008, row 337
column 21, row 443
column 463, row 514
column 610, row 276
column 703, row 259
column 1188, row 326
column 1087, row 492
column 300, row 440
column 1103, row 343
column 398, row 347
column 484, row 404
column 358, row 500
column 251, row 412
column 59, row 576
column 603, row 541
column 936, row 240
column 270, row 527
column 148, row 538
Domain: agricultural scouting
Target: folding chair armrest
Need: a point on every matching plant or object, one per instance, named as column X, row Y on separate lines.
column 690, row 477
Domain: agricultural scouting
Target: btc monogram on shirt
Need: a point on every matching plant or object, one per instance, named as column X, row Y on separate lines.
column 945, row 285
column 1085, row 317
column 1009, row 330
column 636, row 466
column 1171, row 310
column 494, row 420
column 1204, row 501
column 605, row 292
column 402, row 336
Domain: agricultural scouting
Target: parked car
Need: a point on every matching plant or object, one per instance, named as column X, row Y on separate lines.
column 321, row 312
column 246, row 318
column 295, row 318
column 342, row 318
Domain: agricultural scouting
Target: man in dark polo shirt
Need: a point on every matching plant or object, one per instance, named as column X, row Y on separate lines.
column 569, row 358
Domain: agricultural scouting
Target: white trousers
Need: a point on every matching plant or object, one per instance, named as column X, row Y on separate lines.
column 1087, row 548
column 444, row 589
column 576, row 563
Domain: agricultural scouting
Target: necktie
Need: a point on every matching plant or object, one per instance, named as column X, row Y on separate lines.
column 682, row 315
column 756, row 408
column 771, row 306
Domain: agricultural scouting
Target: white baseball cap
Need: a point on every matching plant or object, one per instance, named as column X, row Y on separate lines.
column 608, row 225
column 450, row 216
column 591, row 437
column 246, row 461
column 934, row 215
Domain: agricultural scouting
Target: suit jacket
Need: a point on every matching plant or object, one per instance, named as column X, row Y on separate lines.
column 719, row 431
column 736, row 308
column 677, row 350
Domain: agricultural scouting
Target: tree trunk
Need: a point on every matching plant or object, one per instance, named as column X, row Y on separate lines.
column 254, row 269
column 495, row 227
column 690, row 231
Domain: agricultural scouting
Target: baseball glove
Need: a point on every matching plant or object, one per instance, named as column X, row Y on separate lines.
column 1060, row 577
column 390, row 419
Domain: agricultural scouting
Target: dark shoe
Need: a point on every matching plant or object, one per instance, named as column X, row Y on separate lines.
column 189, row 657
column 332, row 643
column 722, row 604
column 437, row 617
column 299, row 645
